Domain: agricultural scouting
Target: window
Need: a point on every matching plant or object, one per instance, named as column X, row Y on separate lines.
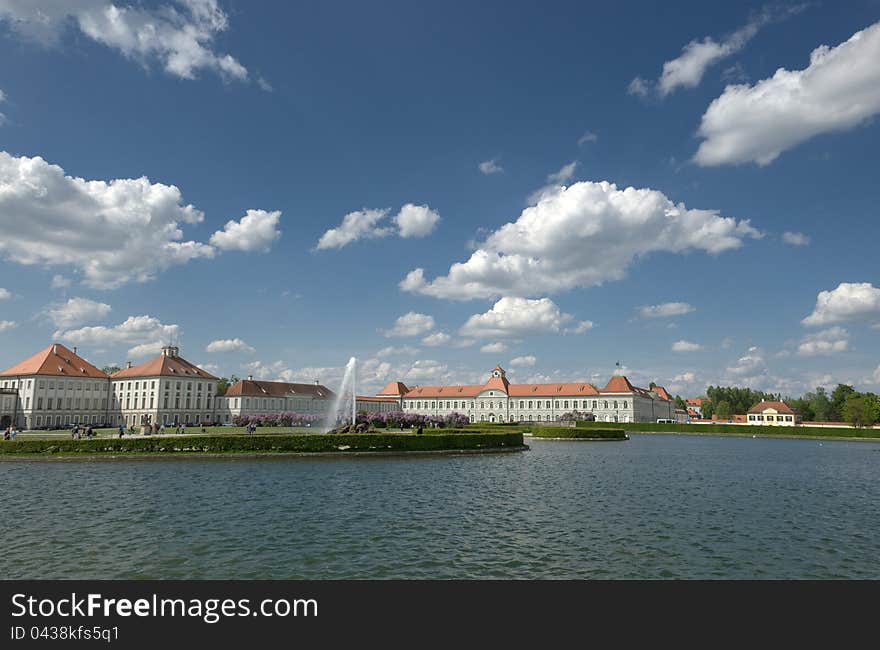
column 557, row 404
column 606, row 404
column 565, row 404
column 594, row 403
column 751, row 418
column 769, row 418
column 521, row 404
column 624, row 404
column 530, row 406
column 615, row 403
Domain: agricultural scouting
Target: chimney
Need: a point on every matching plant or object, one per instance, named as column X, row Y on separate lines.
column 54, row 348
column 128, row 364
column 317, row 383
column 250, row 377
column 74, row 349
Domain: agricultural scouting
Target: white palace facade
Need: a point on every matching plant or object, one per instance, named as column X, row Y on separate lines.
column 500, row 401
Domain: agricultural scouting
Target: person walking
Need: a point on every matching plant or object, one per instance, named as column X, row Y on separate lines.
column 121, row 431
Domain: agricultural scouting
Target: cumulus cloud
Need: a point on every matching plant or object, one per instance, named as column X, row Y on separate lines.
column 493, row 348
column 411, row 324
column 147, row 334
column 517, row 317
column 752, row 362
column 437, row 339
column 687, row 69
column 113, row 232
column 2, row 99
column 850, row 301
column 228, row 345
column 565, row 173
column 824, row 343
column 579, row 236
column 524, row 361
column 411, row 221
column 76, row 311
column 839, row 90
column 686, row 346
column 666, row 309
column 416, row 221
column 179, row 36
column 490, row 167
column 254, row 232
column 5, row 294
column 7, row 325
column 397, row 350
column 795, row 238
column 687, row 377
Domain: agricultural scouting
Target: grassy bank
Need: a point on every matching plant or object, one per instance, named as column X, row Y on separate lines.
column 579, row 433
column 255, row 443
column 735, row 429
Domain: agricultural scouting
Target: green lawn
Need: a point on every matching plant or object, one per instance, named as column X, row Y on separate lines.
column 190, row 431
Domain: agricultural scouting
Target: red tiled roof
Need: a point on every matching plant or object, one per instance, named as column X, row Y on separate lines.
column 662, row 392
column 55, row 360
column 549, row 390
column 781, row 407
column 695, row 401
column 251, row 388
column 497, row 383
column 394, row 388
column 164, row 366
column 364, row 398
column 618, row 384
column 452, row 392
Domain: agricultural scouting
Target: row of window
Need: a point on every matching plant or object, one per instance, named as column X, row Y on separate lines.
column 68, row 404
column 529, row 418
column 532, row 404
column 770, row 418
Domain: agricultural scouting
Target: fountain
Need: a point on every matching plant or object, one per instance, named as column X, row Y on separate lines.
column 338, row 414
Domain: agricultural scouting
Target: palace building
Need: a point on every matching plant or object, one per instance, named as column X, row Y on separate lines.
column 500, row 401
column 250, row 397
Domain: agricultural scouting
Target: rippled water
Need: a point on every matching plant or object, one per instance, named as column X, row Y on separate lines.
column 653, row 507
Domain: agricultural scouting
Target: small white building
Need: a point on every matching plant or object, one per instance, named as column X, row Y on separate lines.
column 773, row 414
column 255, row 397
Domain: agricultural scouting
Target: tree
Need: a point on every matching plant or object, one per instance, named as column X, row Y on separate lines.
column 680, row 403
column 803, row 408
column 707, row 409
column 838, row 398
column 109, row 370
column 224, row 383
column 819, row 404
column 723, row 410
column 861, row 409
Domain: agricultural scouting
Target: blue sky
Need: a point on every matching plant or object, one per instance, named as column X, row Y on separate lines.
column 306, row 113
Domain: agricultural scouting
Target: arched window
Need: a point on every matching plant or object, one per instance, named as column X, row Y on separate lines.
column 615, row 403
column 521, row 404
column 606, row 404
column 624, row 404
column 530, row 418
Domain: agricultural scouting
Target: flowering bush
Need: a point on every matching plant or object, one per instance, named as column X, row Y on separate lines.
column 402, row 420
column 285, row 419
column 578, row 416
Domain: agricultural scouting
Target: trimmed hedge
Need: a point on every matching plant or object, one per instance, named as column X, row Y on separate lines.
column 580, row 432
column 750, row 429
column 303, row 443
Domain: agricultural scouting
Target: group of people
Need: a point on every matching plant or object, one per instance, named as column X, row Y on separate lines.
column 78, row 432
column 250, row 427
column 10, row 433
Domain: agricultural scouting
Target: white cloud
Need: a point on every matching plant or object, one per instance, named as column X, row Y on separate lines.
column 426, row 370
column 840, row 89
column 727, row 342
column 686, row 346
column 490, row 167
column 517, row 317
column 687, row 377
column 666, row 309
column 179, row 36
column 254, row 232
column 116, row 232
column 437, row 339
column 850, row 301
column 588, row 136
column 416, row 220
column 795, row 238
column 524, row 361
column 60, row 282
column 146, row 334
column 751, row 362
column 578, row 236
column 76, row 311
column 581, row 327
column 396, row 351
column 639, row 87
column 824, row 343
column 494, row 348
column 411, row 324
column 228, row 345
column 5, row 294
column 2, row 99
column 7, row 325
column 565, row 174
column 411, row 221
column 361, row 224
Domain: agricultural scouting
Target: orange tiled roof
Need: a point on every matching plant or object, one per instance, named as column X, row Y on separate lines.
column 618, row 384
column 366, row 398
column 165, row 366
column 695, row 401
column 55, row 360
column 662, row 392
column 252, row 388
column 781, row 407
column 452, row 392
column 549, row 390
column 394, row 388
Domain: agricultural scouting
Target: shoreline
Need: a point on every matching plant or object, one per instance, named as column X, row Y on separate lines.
column 783, row 436
column 261, row 455
column 531, row 437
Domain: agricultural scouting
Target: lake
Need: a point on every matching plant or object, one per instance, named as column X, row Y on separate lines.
column 657, row 506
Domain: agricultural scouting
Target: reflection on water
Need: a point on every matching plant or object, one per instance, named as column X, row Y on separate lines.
column 653, row 507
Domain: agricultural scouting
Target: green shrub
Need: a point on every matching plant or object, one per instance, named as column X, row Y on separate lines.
column 745, row 429
column 231, row 443
column 580, row 432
